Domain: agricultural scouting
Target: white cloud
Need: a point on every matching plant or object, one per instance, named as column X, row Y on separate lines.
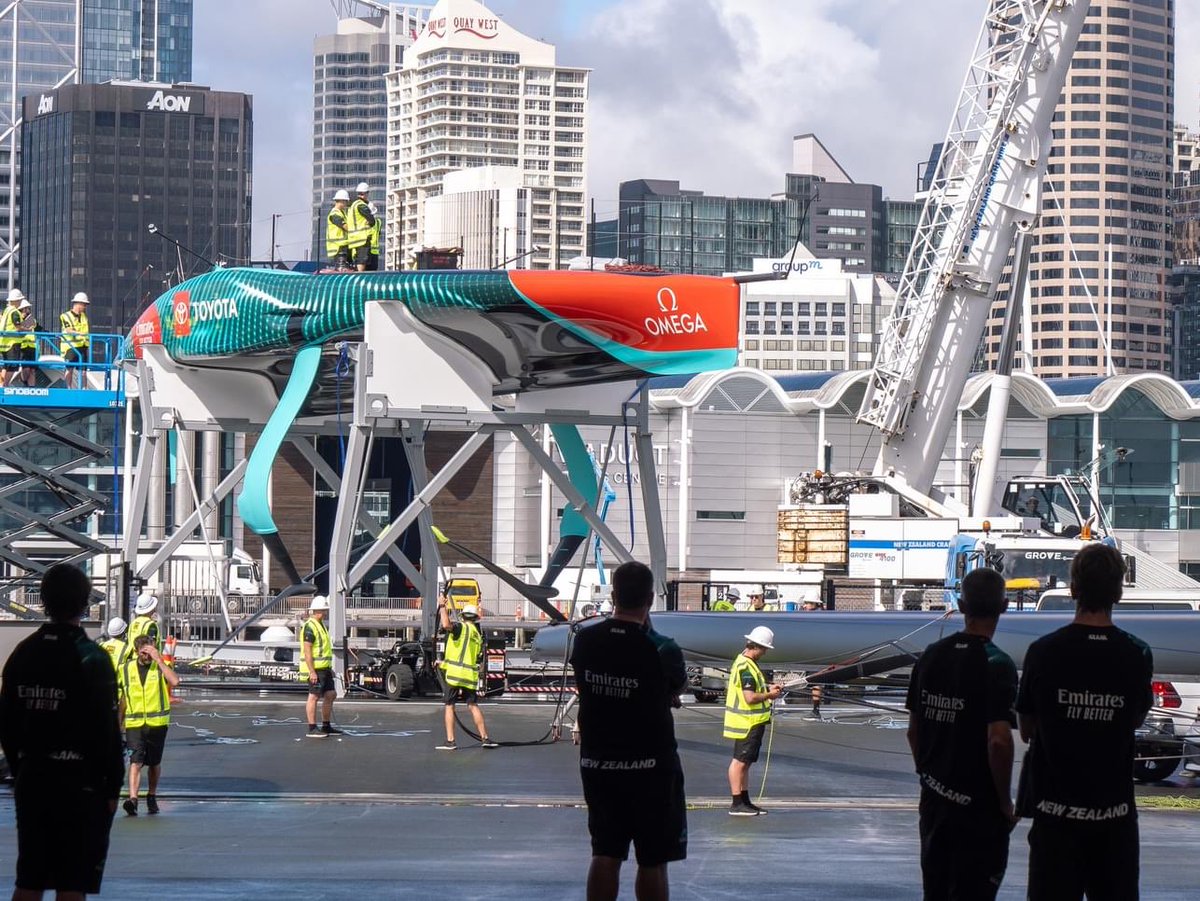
column 706, row 91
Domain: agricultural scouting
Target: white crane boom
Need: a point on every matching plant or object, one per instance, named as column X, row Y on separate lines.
column 986, row 188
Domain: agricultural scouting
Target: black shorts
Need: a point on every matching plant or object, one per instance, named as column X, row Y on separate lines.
column 29, row 354
column 146, row 744
column 964, row 853
column 745, row 750
column 62, row 838
column 76, row 355
column 455, row 695
column 645, row 807
column 13, row 357
column 324, row 683
column 1068, row 859
column 361, row 255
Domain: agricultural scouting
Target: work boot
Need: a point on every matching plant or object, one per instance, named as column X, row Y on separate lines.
column 151, row 804
column 130, row 806
column 329, row 729
column 741, row 807
column 314, row 731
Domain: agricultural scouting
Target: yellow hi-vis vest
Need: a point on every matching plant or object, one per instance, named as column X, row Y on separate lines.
column 461, row 663
column 146, row 703
column 322, row 647
column 360, row 230
column 141, row 625
column 9, row 317
column 337, row 232
column 29, row 342
column 115, row 647
column 375, row 229
column 741, row 717
column 69, row 320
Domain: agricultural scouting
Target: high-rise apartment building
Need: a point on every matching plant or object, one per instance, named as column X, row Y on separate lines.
column 1185, row 198
column 474, row 92
column 105, row 162
column 1101, row 253
column 59, row 42
column 350, row 105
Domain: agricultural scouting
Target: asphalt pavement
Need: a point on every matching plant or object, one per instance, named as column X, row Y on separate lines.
column 252, row 809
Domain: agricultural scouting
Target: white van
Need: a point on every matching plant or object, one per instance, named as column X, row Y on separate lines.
column 1174, row 600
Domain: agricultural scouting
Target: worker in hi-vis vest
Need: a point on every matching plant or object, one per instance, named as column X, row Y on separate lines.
column 75, row 345
column 10, row 320
column 460, row 666
column 26, row 345
column 145, row 684
column 747, row 711
column 362, row 228
column 145, row 622
column 316, row 666
column 114, row 644
column 337, row 231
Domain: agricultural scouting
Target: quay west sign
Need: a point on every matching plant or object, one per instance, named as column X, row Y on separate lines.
column 486, row 28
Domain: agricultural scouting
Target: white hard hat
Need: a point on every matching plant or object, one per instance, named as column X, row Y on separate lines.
column 470, row 611
column 761, row 636
column 319, row 602
column 24, row 304
column 145, row 604
column 733, row 593
column 342, row 195
column 116, row 626
column 80, row 298
column 15, row 294
column 362, row 188
column 606, row 607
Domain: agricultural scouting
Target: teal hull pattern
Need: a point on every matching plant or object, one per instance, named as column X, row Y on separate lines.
column 531, row 329
column 565, row 327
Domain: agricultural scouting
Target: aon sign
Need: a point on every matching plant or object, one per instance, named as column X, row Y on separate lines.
column 170, row 103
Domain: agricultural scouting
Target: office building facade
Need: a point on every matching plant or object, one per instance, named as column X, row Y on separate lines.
column 103, row 164
column 349, row 142
column 834, row 217
column 660, row 224
column 1101, row 253
column 474, row 92
column 137, row 40
column 59, row 42
column 820, row 318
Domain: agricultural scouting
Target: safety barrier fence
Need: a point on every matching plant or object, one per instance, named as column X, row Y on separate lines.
column 57, row 361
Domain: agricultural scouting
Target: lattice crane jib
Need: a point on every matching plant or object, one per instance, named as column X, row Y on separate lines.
column 986, row 188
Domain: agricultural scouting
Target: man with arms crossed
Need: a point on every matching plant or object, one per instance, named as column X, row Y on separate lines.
column 629, row 677
column 960, row 700
column 1085, row 689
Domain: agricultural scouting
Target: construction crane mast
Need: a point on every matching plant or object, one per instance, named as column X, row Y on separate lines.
column 987, row 189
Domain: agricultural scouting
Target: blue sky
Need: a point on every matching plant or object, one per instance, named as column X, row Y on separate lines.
column 706, row 91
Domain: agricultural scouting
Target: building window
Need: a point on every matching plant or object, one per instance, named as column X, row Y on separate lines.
column 729, row 515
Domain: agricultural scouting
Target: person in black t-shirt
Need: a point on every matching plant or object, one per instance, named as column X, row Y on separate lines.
column 1084, row 691
column 58, row 730
column 629, row 677
column 960, row 730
